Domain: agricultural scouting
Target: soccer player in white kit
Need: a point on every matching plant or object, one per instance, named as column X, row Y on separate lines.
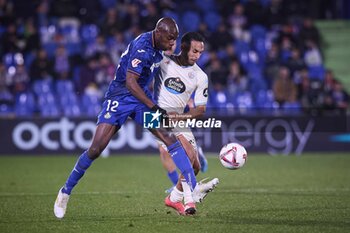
column 178, row 78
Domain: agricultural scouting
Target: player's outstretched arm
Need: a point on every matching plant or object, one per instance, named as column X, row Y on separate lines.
column 136, row 90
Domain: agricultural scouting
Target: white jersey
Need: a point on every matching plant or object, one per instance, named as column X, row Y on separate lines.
column 174, row 85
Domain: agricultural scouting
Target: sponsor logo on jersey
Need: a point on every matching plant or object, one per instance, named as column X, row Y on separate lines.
column 135, row 62
column 205, row 92
column 141, row 51
column 175, row 85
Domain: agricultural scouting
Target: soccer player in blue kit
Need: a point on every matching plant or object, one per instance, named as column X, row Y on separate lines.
column 128, row 96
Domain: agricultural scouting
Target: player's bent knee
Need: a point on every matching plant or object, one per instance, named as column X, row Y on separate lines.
column 94, row 152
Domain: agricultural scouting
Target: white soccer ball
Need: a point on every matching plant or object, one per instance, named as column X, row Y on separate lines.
column 233, row 156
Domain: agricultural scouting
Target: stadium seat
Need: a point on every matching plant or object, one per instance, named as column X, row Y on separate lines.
column 206, row 6
column 265, row 3
column 250, row 60
column 257, row 84
column 28, row 59
column 264, row 100
column 13, row 59
column 190, row 21
column 241, row 46
column 212, row 19
column 45, row 99
column 91, row 105
column 2, row 30
column 73, row 48
column 68, row 99
column 317, row 72
column 5, row 109
column 70, row 33
column 171, row 14
column 254, row 71
column 50, row 111
column 106, row 4
column 89, row 33
column 244, row 102
column 25, row 104
column 292, row 108
column 64, row 86
column 285, row 55
column 260, row 47
column 218, row 101
column 42, row 87
column 257, row 32
column 47, row 33
column 71, row 110
column 50, row 48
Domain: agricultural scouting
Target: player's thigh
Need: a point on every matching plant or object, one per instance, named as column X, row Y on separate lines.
column 103, row 134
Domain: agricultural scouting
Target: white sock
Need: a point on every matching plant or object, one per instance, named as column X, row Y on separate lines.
column 187, row 193
column 176, row 195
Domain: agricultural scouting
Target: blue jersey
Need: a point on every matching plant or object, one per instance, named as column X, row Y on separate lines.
column 142, row 58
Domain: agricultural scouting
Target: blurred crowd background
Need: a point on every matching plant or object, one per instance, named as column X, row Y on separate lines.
column 57, row 57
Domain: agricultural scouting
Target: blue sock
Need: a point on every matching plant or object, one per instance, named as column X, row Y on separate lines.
column 173, row 177
column 79, row 169
column 182, row 162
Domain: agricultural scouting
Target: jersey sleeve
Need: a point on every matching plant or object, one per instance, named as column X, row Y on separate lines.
column 201, row 95
column 138, row 60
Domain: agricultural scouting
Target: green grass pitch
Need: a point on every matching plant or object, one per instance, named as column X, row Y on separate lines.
column 308, row 193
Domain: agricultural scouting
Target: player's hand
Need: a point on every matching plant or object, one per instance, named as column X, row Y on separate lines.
column 161, row 110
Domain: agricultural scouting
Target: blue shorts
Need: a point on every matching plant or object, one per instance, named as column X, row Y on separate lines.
column 116, row 110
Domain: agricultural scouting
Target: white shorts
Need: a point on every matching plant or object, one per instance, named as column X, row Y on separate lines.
column 186, row 132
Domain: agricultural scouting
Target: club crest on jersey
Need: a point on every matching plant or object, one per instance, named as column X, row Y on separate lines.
column 107, row 115
column 135, row 62
column 175, row 85
column 191, row 75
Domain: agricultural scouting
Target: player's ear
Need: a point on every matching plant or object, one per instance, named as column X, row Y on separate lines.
column 185, row 47
column 156, row 32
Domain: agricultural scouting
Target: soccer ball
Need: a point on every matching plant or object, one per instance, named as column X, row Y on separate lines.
column 233, row 156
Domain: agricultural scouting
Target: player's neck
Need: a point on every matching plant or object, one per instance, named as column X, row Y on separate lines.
column 181, row 60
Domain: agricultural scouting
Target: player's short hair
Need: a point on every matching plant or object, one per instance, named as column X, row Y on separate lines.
column 190, row 36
